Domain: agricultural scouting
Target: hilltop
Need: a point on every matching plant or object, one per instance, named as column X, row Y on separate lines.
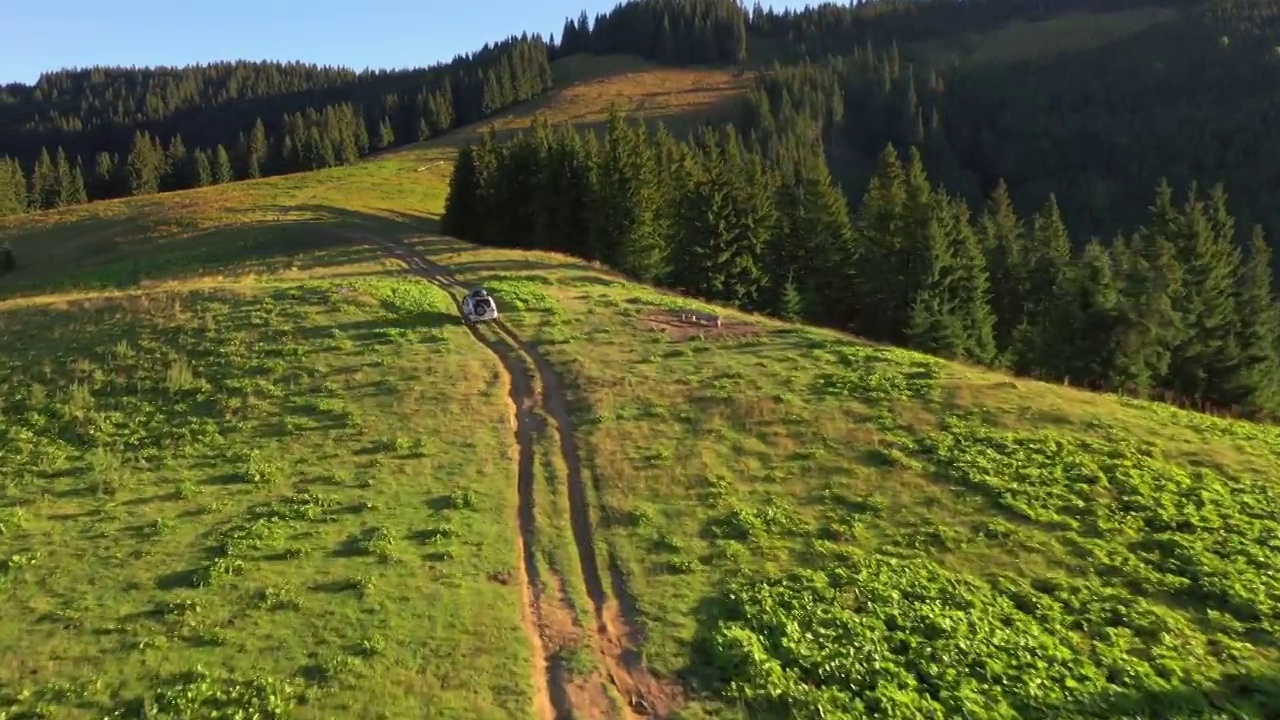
column 248, row 417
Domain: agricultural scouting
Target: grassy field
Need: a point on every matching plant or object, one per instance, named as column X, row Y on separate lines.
column 1049, row 543
column 250, row 460
column 289, row 483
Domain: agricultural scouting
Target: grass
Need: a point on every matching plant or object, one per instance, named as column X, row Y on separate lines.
column 681, row 98
column 283, row 468
column 1132, row 540
column 1019, row 40
column 252, row 477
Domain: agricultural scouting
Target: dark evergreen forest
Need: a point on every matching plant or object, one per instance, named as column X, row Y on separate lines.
column 1022, row 216
column 112, row 132
column 1174, row 310
column 1098, row 215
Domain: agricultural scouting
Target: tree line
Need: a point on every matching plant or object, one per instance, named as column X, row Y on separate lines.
column 1189, row 97
column 1173, row 310
column 696, row 32
column 107, row 132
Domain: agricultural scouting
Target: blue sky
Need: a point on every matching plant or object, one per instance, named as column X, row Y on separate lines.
column 49, row 35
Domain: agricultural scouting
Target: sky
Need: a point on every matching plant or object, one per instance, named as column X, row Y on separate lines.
column 41, row 36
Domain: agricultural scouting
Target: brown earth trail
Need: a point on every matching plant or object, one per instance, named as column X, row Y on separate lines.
column 549, row 619
column 532, row 379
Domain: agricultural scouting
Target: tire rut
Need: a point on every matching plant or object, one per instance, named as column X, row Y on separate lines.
column 643, row 694
column 550, row 622
column 641, row 690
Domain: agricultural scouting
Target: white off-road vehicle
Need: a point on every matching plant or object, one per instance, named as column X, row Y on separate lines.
column 477, row 306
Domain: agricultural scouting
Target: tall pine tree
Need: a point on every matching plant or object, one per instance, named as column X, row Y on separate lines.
column 13, row 188
column 222, row 172
column 1004, row 243
column 65, row 190
column 1255, row 383
column 256, row 152
column 44, row 183
column 144, row 166
column 627, row 233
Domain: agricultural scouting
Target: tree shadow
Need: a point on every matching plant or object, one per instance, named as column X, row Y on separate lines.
column 177, row 579
column 441, row 503
column 305, row 238
column 507, row 266
column 334, row 587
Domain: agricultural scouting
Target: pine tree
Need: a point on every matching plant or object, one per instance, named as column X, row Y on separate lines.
column 702, row 216
column 1210, row 259
column 1255, row 384
column 626, row 233
column 64, row 190
column 822, row 233
column 519, row 225
column 238, row 155
column 879, row 272
column 1038, row 345
column 577, row 155
column 755, row 223
column 969, row 288
column 79, row 194
column 386, row 138
column 201, row 172
column 1148, row 325
column 327, row 155
column 104, row 183
column 546, row 185
column 935, row 321
column 310, row 149
column 221, row 166
column 726, row 219
column 143, row 170
column 1085, row 321
column 362, row 136
column 256, row 151
column 345, row 148
column 44, row 183
column 790, row 304
column 175, row 164
column 13, row 188
column 1004, row 243
column 458, row 219
column 486, row 156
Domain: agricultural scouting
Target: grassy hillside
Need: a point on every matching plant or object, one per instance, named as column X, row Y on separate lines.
column 1019, row 40
column 248, row 419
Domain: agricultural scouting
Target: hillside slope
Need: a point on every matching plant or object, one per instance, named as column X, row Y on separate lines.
column 276, row 454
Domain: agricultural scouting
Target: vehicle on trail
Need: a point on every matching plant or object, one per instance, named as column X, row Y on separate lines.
column 478, row 306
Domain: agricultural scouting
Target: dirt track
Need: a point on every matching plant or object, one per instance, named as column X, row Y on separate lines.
column 536, row 394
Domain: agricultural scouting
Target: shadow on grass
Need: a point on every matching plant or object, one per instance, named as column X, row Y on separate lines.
column 504, row 266
column 375, row 331
column 319, row 239
column 335, row 587
column 177, row 579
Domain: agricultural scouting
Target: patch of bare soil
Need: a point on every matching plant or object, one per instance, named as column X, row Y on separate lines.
column 689, row 325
